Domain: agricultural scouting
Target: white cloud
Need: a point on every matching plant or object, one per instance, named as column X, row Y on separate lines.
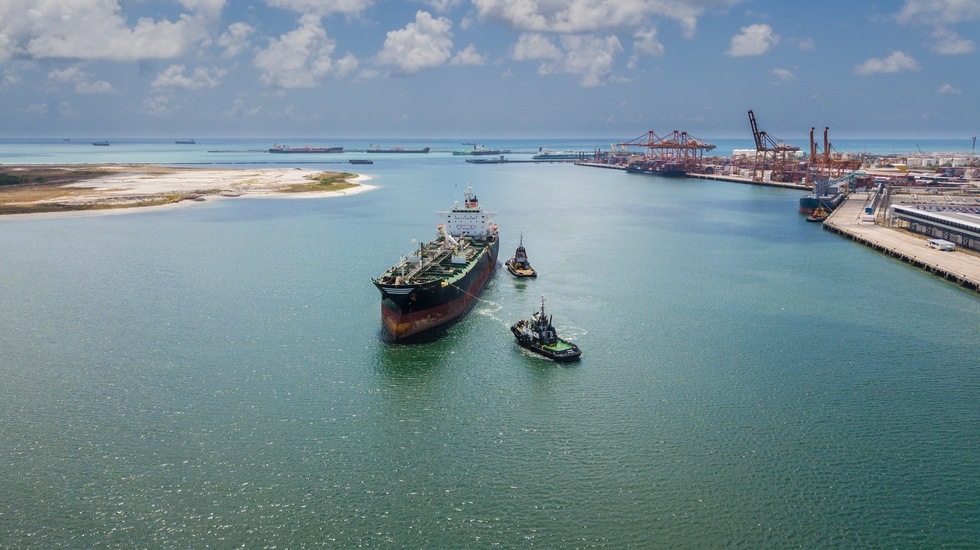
column 235, row 39
column 239, row 109
column 96, row 29
column 896, row 62
column 783, row 75
column 38, row 109
column 586, row 55
column 535, row 46
column 469, row 56
column 441, row 6
column 97, row 87
column 949, row 43
column 948, row 89
column 806, row 44
column 580, row 16
column 81, row 80
column 211, row 8
column 175, row 78
column 158, row 106
column 646, row 43
column 754, row 40
column 939, row 12
column 322, row 7
column 423, row 44
column 299, row 58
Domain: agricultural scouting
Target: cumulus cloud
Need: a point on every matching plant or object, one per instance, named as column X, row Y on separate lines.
column 158, row 106
column 211, row 8
column 97, row 29
column 783, row 75
column 442, row 6
column 586, row 55
column 82, row 81
column 322, row 8
column 468, row 56
column 938, row 12
column 535, row 46
column 949, row 43
column 948, row 89
column 239, row 109
column 299, row 58
column 236, row 39
column 423, row 44
column 582, row 16
column 806, row 44
column 646, row 43
column 174, row 78
column 896, row 62
column 754, row 40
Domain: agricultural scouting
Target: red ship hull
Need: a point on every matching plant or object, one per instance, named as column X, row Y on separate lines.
column 448, row 302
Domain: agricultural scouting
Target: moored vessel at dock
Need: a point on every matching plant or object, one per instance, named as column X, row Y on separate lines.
column 442, row 279
column 662, row 169
column 826, row 194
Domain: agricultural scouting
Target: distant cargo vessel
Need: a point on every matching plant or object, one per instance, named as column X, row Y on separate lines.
column 100, row 143
column 443, row 278
column 479, row 150
column 185, row 142
column 558, row 155
column 399, row 150
column 277, row 148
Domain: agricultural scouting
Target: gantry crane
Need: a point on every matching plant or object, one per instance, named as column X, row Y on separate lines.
column 772, row 154
column 827, row 163
column 678, row 149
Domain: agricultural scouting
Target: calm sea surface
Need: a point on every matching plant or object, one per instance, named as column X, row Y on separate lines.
column 214, row 375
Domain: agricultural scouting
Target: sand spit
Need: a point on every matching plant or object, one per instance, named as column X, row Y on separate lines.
column 51, row 190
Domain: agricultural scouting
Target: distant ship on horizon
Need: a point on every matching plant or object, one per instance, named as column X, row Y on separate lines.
column 278, row 148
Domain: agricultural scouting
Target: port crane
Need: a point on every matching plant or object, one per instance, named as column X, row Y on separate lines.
column 772, row 154
column 827, row 163
column 676, row 148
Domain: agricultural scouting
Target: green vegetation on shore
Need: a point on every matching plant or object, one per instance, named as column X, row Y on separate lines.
column 324, row 181
column 45, row 175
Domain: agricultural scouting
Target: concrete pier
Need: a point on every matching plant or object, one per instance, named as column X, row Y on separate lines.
column 960, row 266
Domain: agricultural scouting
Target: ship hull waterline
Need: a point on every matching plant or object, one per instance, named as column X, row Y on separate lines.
column 429, row 306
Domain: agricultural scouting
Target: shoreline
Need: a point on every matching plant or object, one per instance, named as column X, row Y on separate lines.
column 106, row 189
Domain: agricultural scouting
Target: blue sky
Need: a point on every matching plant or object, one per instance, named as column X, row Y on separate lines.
column 487, row 68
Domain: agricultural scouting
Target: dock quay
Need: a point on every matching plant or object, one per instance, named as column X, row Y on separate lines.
column 960, row 266
column 749, row 181
column 716, row 177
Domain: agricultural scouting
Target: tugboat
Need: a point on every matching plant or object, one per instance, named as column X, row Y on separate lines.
column 518, row 265
column 819, row 214
column 539, row 336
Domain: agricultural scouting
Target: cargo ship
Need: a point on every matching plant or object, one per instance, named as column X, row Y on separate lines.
column 662, row 169
column 479, row 150
column 398, row 149
column 826, row 194
column 277, row 148
column 543, row 154
column 441, row 279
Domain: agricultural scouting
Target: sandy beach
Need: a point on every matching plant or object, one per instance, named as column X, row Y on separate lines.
column 74, row 190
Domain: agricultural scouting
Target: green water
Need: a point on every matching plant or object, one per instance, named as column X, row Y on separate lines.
column 213, row 376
